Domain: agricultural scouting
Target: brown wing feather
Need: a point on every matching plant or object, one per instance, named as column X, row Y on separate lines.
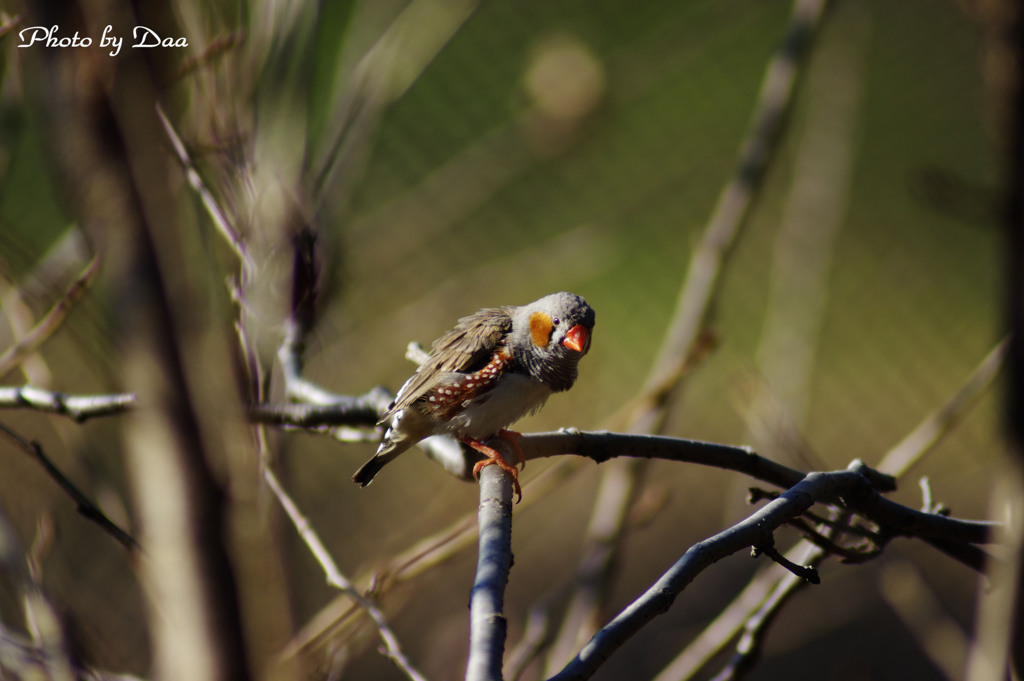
column 465, row 348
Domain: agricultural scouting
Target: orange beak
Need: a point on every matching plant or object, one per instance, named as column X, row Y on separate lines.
column 577, row 338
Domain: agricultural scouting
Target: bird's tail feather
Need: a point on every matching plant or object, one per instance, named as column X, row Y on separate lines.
column 388, row 451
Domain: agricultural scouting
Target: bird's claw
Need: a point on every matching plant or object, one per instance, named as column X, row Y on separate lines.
column 495, row 457
column 504, row 465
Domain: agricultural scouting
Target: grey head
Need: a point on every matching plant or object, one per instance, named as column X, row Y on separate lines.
column 549, row 337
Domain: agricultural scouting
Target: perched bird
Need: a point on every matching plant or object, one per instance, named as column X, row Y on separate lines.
column 493, row 368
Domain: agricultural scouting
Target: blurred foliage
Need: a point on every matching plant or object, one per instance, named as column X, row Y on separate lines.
column 556, row 146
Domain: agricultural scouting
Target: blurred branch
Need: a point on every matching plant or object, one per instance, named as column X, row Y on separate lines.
column 731, row 210
column 83, row 505
column 338, row 580
column 21, row 319
column 101, row 124
column 385, row 71
column 756, row 625
column 47, row 654
column 536, row 634
column 363, row 410
column 682, row 339
column 488, row 627
column 998, row 643
column 80, row 408
column 51, row 321
column 213, row 209
column 919, row 441
column 824, row 146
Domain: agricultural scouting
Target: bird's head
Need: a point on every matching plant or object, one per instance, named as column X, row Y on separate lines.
column 551, row 335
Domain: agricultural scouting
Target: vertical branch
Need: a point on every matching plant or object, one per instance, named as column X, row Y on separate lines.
column 488, row 626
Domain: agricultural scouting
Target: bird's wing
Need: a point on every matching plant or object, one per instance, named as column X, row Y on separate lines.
column 466, row 348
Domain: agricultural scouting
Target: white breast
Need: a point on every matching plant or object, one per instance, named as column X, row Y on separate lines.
column 512, row 398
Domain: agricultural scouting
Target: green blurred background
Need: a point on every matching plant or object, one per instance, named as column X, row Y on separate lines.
column 581, row 146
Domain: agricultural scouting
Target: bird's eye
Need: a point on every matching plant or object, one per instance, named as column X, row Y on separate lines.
column 555, row 321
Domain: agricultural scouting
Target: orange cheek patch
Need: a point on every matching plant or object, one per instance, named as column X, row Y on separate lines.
column 540, row 329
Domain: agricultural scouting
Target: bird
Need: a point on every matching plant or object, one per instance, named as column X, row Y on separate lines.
column 493, row 368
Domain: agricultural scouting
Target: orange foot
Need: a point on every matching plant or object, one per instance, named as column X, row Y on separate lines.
column 495, row 457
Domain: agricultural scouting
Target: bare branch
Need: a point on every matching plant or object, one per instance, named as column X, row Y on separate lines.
column 848, row 555
column 488, row 626
column 602, row 446
column 77, row 407
column 753, row 531
column 364, row 410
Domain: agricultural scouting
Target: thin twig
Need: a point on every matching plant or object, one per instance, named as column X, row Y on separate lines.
column 213, row 209
column 51, row 321
column 804, row 572
column 83, row 505
column 337, row 579
column 77, row 407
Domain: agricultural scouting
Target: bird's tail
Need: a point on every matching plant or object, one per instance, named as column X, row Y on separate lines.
column 387, row 451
